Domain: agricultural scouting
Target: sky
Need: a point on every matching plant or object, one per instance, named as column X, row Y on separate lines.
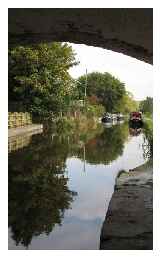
column 137, row 75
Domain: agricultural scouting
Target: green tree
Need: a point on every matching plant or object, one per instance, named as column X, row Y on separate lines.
column 127, row 104
column 146, row 106
column 39, row 78
column 108, row 90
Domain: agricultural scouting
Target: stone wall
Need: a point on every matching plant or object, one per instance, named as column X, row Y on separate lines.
column 129, row 220
column 19, row 119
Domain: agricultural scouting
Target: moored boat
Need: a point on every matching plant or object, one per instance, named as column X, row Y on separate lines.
column 135, row 119
column 120, row 117
column 106, row 118
column 112, row 117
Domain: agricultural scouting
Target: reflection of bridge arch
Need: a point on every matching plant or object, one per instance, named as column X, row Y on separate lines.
column 127, row 31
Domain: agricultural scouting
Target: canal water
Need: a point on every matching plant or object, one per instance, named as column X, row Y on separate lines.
column 61, row 183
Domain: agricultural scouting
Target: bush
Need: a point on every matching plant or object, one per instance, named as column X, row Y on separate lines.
column 94, row 110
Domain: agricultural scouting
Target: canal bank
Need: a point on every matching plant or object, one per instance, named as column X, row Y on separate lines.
column 128, row 224
column 18, row 138
column 24, row 130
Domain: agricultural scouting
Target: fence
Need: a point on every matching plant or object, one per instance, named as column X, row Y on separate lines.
column 19, row 119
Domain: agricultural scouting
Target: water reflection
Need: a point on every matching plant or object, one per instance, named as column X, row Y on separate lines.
column 148, row 141
column 107, row 146
column 147, row 145
column 135, row 131
column 46, row 180
column 38, row 191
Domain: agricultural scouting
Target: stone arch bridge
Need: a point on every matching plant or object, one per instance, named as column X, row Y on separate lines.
column 127, row 31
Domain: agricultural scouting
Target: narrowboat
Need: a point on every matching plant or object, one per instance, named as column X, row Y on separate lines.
column 135, row 119
column 107, row 118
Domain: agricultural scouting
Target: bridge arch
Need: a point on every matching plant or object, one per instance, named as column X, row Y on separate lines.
column 127, row 31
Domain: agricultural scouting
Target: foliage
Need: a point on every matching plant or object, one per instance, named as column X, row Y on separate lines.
column 63, row 125
column 103, row 88
column 38, row 77
column 94, row 110
column 146, row 106
column 127, row 104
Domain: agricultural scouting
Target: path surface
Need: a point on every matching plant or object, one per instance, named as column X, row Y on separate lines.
column 22, row 130
column 129, row 220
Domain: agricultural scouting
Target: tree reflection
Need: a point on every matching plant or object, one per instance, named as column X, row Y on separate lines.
column 38, row 193
column 147, row 129
column 38, row 190
column 107, row 146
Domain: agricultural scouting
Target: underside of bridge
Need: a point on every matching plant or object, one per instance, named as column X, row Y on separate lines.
column 128, row 31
